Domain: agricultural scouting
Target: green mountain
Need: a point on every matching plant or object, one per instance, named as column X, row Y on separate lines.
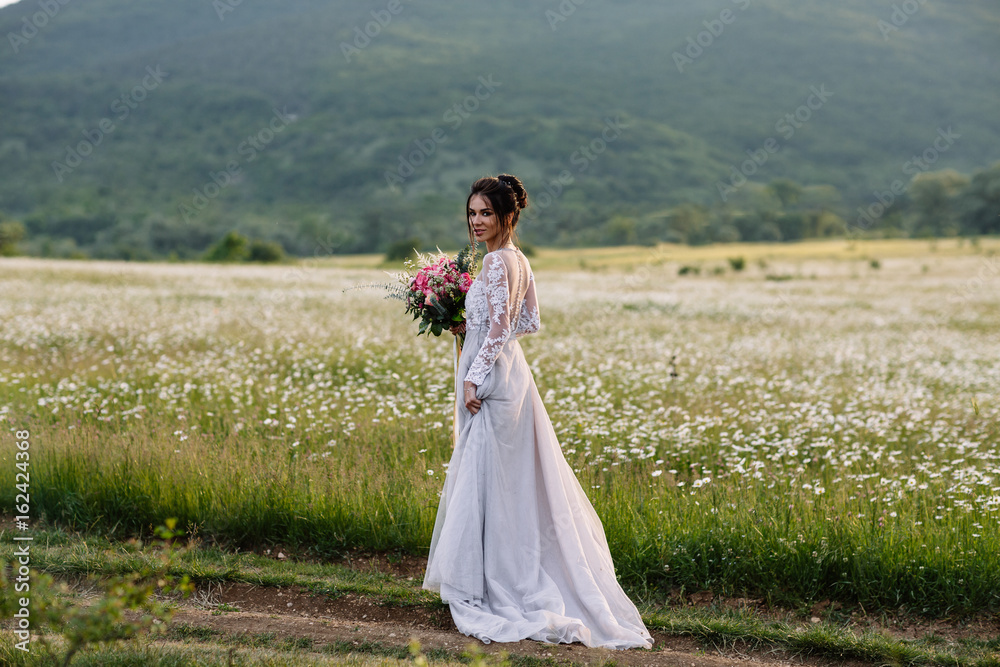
column 140, row 128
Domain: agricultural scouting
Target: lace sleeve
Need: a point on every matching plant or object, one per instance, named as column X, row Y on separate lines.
column 498, row 301
column 528, row 321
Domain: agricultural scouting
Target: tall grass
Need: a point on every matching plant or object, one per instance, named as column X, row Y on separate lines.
column 781, row 544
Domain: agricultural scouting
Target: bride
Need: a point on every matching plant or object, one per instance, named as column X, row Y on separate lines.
column 517, row 551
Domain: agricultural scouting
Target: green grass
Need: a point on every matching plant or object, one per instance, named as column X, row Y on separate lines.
column 247, row 496
column 71, row 555
column 744, row 630
column 713, row 627
column 260, row 651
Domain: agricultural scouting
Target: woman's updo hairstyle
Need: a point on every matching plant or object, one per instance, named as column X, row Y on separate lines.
column 506, row 196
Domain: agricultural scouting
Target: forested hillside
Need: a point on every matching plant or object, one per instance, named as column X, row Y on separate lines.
column 140, row 129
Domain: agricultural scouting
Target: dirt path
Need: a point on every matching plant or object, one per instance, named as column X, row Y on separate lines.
column 296, row 613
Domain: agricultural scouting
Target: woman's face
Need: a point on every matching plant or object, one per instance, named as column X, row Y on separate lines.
column 483, row 219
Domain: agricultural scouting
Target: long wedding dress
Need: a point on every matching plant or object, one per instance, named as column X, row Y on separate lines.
column 517, row 550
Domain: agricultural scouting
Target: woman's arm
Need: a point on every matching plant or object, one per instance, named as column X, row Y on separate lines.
column 528, row 321
column 498, row 287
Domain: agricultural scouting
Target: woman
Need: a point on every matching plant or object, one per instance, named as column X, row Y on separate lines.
column 517, row 550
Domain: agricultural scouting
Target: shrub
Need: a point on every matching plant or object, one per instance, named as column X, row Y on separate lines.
column 104, row 621
column 231, row 248
column 405, row 249
column 10, row 233
column 737, row 263
column 266, row 251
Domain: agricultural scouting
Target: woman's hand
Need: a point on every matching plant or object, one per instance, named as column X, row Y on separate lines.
column 472, row 403
column 457, row 328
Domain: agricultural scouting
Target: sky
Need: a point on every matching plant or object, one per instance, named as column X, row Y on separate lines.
column 4, row 3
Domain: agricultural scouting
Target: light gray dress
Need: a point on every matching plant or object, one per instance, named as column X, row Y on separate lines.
column 517, row 549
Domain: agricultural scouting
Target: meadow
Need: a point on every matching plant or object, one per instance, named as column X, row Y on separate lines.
column 822, row 424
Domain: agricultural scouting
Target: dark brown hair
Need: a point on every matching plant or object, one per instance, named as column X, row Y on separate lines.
column 506, row 196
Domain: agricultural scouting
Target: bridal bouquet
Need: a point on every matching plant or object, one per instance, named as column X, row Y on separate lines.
column 433, row 288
